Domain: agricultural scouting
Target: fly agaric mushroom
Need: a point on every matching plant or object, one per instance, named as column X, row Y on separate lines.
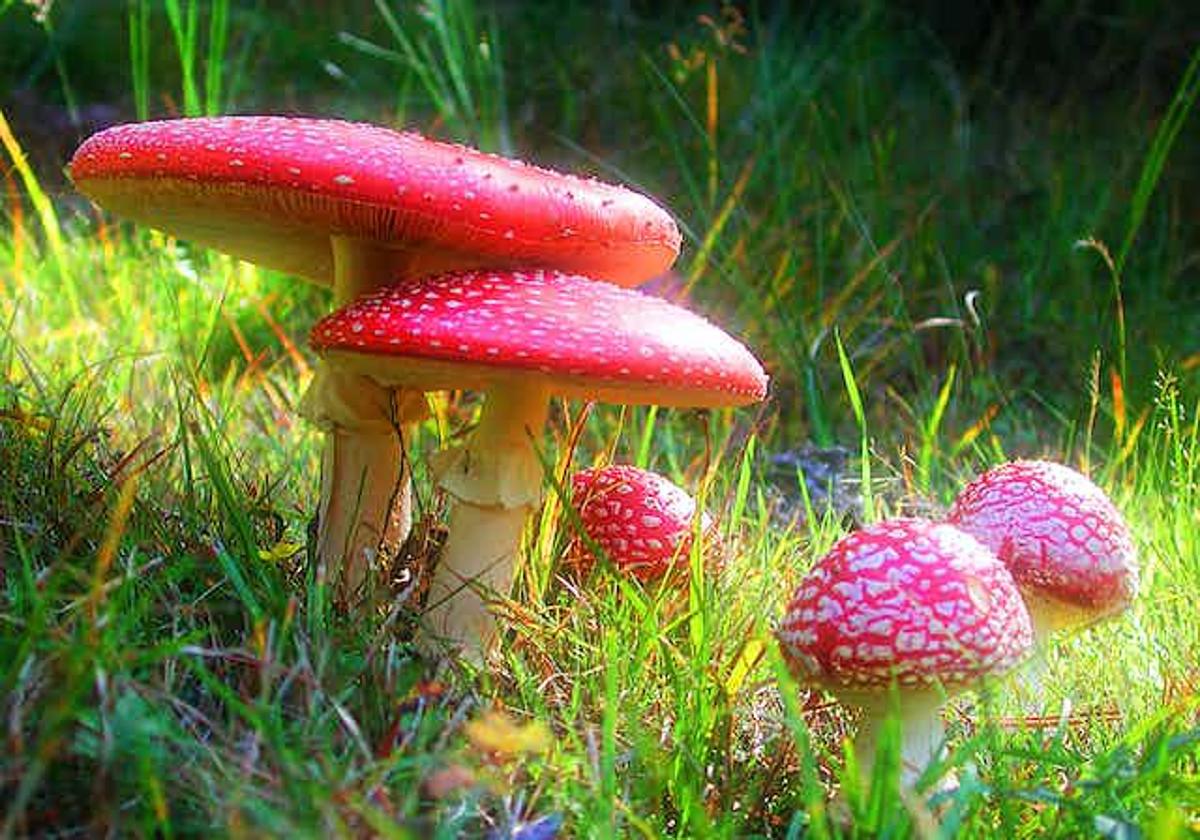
column 523, row 336
column 1064, row 541
column 354, row 206
column 642, row 521
column 910, row 603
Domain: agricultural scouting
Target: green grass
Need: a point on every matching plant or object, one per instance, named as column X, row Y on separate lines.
column 898, row 247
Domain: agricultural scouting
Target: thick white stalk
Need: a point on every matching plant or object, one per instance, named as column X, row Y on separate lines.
column 1047, row 617
column 366, row 496
column 474, row 569
column 921, row 735
column 365, row 510
column 495, row 480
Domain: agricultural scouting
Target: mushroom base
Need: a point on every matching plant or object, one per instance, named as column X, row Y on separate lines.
column 495, row 480
column 474, row 571
column 366, row 496
column 1049, row 616
column 922, row 736
column 365, row 512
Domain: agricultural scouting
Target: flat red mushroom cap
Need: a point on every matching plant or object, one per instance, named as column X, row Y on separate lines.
column 482, row 329
column 909, row 600
column 1057, row 532
column 272, row 190
column 642, row 521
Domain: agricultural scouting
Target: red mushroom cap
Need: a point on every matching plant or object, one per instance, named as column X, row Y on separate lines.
column 908, row 600
column 641, row 520
column 1057, row 532
column 273, row 189
column 483, row 329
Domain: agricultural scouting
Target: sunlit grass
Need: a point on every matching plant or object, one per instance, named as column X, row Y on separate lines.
column 168, row 664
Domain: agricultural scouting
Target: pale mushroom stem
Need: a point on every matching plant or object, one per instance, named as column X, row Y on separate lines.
column 495, row 479
column 365, row 510
column 366, row 494
column 1047, row 616
column 921, row 735
column 1035, row 672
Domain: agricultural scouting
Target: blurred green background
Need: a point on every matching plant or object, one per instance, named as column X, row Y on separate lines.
column 869, row 160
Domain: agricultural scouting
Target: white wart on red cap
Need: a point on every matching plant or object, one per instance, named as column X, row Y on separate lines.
column 272, row 190
column 1058, row 533
column 909, row 600
column 643, row 521
column 575, row 337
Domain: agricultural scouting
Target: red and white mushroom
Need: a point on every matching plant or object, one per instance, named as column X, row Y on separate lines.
column 357, row 206
column 523, row 336
column 1064, row 541
column 641, row 520
column 909, row 603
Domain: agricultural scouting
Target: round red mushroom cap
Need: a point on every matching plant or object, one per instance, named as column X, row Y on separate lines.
column 482, row 329
column 272, row 190
column 1057, row 532
column 643, row 521
column 909, row 600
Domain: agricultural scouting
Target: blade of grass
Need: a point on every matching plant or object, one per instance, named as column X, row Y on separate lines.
column 930, row 429
column 214, row 66
column 47, row 217
column 184, row 26
column 1160, row 150
column 742, row 492
column 138, row 17
column 860, row 418
column 642, row 457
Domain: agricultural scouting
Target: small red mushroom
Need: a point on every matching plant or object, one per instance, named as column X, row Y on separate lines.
column 357, row 206
column 642, row 521
column 523, row 336
column 909, row 603
column 1064, row 541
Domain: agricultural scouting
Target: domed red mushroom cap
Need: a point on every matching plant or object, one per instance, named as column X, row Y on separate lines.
column 1057, row 532
column 641, row 520
column 909, row 600
column 272, row 190
column 578, row 338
